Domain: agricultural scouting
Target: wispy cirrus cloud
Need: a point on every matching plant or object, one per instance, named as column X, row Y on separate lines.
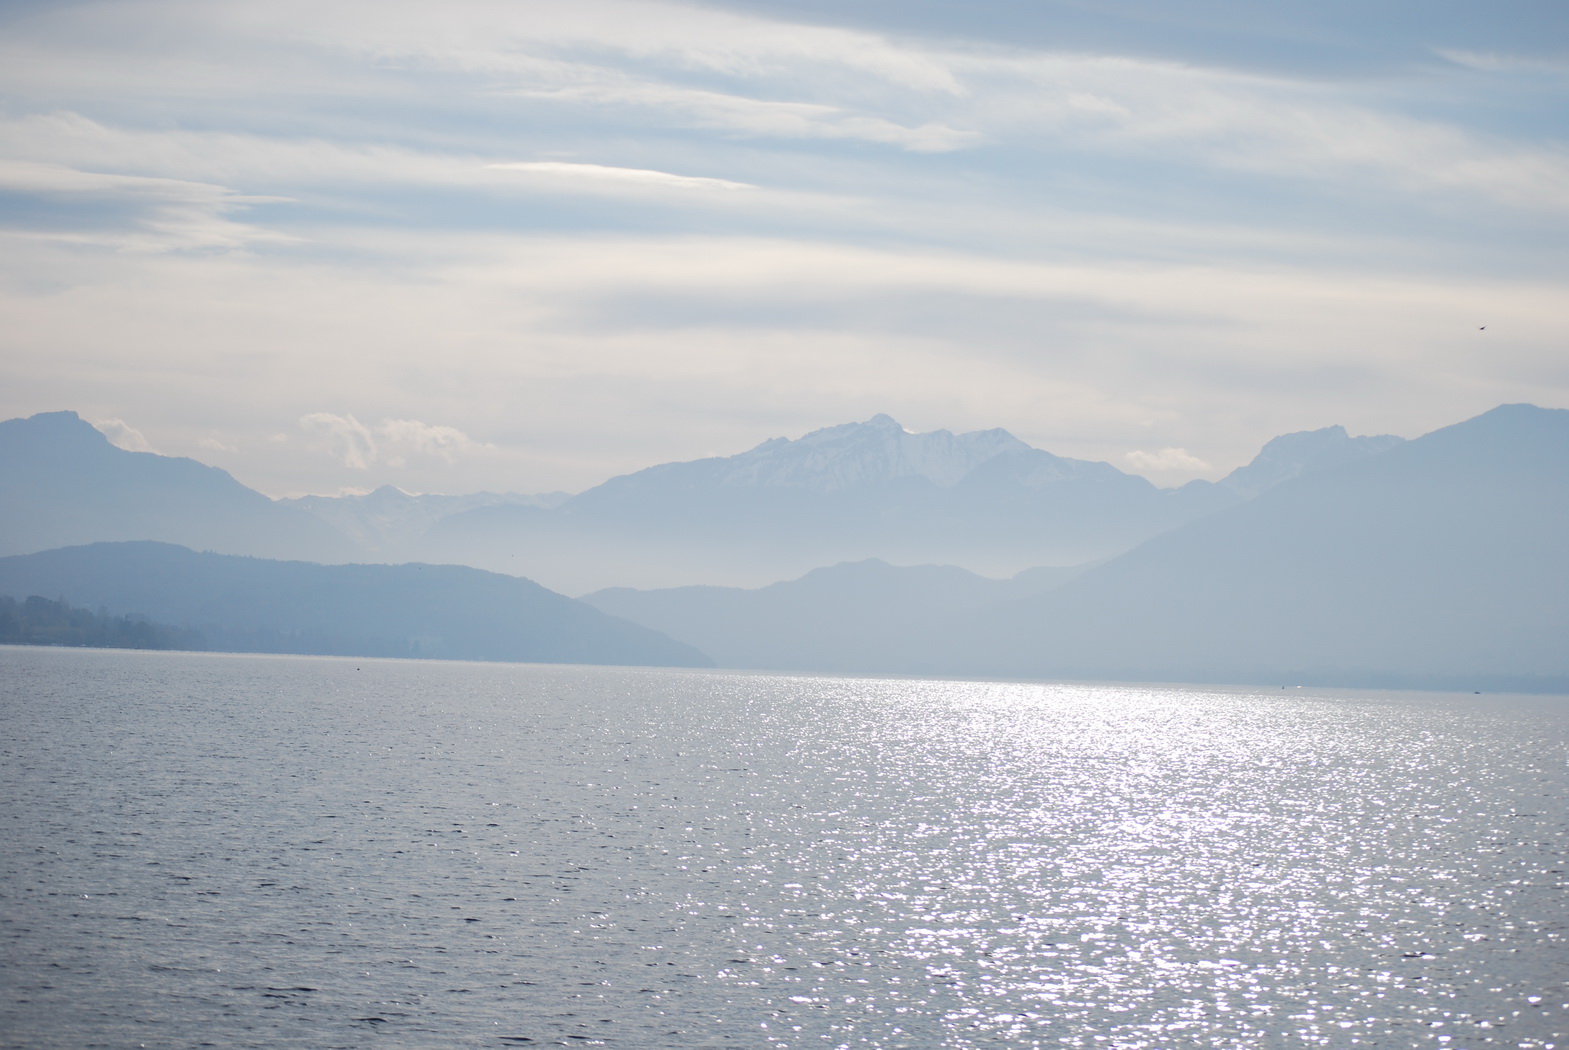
column 606, row 174
column 1296, row 131
column 1503, row 62
column 744, row 115
column 143, row 213
column 520, row 38
column 124, row 178
column 643, row 64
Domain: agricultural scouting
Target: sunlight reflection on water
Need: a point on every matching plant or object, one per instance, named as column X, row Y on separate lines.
column 335, row 853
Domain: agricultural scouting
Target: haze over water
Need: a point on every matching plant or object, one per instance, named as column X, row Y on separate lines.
column 281, row 851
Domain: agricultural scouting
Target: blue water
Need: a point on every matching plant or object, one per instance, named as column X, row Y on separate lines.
column 207, row 850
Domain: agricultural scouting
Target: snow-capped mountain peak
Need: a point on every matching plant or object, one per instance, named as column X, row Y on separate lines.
column 854, row 454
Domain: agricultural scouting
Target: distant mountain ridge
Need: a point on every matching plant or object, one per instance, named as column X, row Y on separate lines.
column 62, row 483
column 858, row 617
column 259, row 605
column 1292, row 455
column 984, row 500
column 1443, row 559
column 387, row 520
column 1438, row 562
column 847, row 456
column 1441, row 562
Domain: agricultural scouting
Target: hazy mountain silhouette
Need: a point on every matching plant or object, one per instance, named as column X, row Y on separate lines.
column 864, row 616
column 386, row 523
column 1292, row 455
column 983, row 500
column 1441, row 560
column 1364, row 561
column 62, row 482
column 256, row 605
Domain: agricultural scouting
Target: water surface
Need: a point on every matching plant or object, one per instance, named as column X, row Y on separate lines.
column 200, row 849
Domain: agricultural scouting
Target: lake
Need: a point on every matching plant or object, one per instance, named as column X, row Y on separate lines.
column 253, row 851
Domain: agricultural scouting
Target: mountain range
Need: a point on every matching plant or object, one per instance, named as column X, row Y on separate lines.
column 258, row 605
column 63, row 483
column 863, row 617
column 388, row 521
column 1442, row 561
column 983, row 500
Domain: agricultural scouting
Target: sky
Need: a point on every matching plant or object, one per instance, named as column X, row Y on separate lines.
column 525, row 246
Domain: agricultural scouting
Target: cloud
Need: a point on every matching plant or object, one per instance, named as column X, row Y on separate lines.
column 688, row 65
column 138, row 213
column 1496, row 62
column 153, row 210
column 1221, row 120
column 122, row 435
column 681, row 106
column 392, row 442
column 640, row 177
column 642, row 65
column 1167, row 460
column 346, row 437
column 500, row 38
column 784, row 80
column 403, row 437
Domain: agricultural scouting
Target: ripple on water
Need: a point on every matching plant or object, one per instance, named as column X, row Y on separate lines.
column 262, row 851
